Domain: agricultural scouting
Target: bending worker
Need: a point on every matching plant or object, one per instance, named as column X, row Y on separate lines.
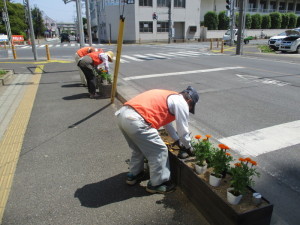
column 88, row 63
column 79, row 54
column 139, row 120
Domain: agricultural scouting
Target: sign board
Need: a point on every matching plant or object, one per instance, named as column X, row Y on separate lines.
column 3, row 37
column 17, row 38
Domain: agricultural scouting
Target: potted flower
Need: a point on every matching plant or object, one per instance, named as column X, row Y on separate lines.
column 242, row 176
column 104, row 75
column 104, row 82
column 220, row 163
column 203, row 151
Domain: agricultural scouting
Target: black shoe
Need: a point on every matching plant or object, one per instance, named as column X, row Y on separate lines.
column 163, row 188
column 132, row 180
column 185, row 153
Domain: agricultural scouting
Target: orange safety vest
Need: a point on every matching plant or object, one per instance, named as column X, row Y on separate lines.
column 95, row 57
column 153, row 107
column 83, row 51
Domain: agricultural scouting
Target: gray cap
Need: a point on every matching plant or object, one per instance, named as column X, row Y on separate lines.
column 194, row 95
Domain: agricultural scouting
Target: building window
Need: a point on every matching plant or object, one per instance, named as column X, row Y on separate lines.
column 146, row 27
column 145, row 2
column 179, row 3
column 163, row 3
column 162, row 26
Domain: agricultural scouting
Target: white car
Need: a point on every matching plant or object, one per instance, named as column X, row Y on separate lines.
column 274, row 42
column 292, row 42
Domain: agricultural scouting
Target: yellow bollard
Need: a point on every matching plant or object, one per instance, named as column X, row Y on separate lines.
column 211, row 44
column 47, row 52
column 222, row 46
column 14, row 51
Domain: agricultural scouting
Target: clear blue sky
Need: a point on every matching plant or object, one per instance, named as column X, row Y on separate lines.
column 55, row 9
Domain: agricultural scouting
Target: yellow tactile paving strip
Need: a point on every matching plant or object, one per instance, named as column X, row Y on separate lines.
column 11, row 143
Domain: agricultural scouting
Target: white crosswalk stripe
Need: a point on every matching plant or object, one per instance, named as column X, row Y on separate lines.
column 132, row 58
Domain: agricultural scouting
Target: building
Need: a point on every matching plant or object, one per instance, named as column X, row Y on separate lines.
column 70, row 28
column 51, row 27
column 254, row 6
column 145, row 20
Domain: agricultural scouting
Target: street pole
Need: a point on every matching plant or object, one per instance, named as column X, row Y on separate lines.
column 240, row 37
column 32, row 37
column 80, row 25
column 232, row 21
column 170, row 23
column 7, row 23
column 88, row 18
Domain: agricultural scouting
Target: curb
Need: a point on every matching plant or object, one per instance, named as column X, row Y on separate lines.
column 4, row 80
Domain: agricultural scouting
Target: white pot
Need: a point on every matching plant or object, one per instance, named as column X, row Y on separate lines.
column 200, row 169
column 232, row 199
column 214, row 181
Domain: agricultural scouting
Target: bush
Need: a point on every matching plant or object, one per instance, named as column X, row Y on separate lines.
column 248, row 21
column 298, row 21
column 284, row 20
column 266, row 22
column 211, row 20
column 223, row 21
column 256, row 21
column 292, row 20
column 275, row 20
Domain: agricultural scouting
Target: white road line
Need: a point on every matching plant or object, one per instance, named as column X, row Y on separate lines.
column 181, row 73
column 41, row 46
column 144, row 57
column 65, row 45
column 26, row 47
column 50, row 46
column 265, row 140
column 123, row 61
column 72, row 45
column 132, row 58
column 157, row 56
column 57, row 46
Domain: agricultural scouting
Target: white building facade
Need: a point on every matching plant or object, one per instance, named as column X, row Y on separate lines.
column 140, row 24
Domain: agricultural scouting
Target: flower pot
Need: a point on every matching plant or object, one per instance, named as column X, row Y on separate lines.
column 214, row 181
column 105, row 90
column 231, row 198
column 200, row 169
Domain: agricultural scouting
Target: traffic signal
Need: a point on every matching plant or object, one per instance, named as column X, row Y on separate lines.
column 228, row 4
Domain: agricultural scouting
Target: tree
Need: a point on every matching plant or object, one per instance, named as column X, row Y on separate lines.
column 223, row 21
column 38, row 22
column 256, row 21
column 211, row 20
column 292, row 20
column 266, row 22
column 275, row 20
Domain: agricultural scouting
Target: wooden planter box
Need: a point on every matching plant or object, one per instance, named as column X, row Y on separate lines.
column 210, row 204
column 105, row 90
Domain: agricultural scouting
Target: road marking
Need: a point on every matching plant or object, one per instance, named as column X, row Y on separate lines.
column 265, row 140
column 50, row 46
column 156, row 56
column 65, row 45
column 132, row 58
column 262, row 80
column 72, row 45
column 144, row 57
column 42, row 46
column 181, row 73
column 11, row 144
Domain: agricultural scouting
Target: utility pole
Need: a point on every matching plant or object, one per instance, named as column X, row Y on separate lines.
column 32, row 37
column 88, row 18
column 170, row 23
column 240, row 37
column 230, row 4
column 7, row 23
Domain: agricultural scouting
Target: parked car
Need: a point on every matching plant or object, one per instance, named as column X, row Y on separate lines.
column 292, row 42
column 226, row 37
column 274, row 42
column 64, row 37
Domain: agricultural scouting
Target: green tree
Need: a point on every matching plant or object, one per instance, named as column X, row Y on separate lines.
column 284, row 20
column 266, row 22
column 248, row 21
column 211, row 20
column 223, row 21
column 256, row 21
column 292, row 20
column 38, row 22
column 275, row 20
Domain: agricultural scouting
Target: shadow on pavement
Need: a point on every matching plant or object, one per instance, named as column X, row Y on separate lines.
column 77, row 96
column 111, row 190
column 72, row 85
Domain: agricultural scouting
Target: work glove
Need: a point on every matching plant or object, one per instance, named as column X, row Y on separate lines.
column 185, row 152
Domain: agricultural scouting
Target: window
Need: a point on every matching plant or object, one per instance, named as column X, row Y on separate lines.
column 146, row 27
column 145, row 2
column 163, row 3
column 162, row 26
column 179, row 3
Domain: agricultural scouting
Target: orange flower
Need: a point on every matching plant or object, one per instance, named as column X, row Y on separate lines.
column 205, row 139
column 198, row 136
column 238, row 164
column 248, row 159
column 242, row 160
column 228, row 154
column 222, row 146
column 254, row 163
column 208, row 136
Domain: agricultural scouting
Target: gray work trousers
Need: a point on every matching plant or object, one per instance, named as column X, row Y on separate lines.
column 144, row 142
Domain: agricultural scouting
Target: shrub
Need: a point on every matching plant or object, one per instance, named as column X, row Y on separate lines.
column 223, row 21
column 248, row 21
column 292, row 20
column 298, row 22
column 203, row 149
column 266, row 22
column 256, row 21
column 284, row 20
column 275, row 20
column 211, row 20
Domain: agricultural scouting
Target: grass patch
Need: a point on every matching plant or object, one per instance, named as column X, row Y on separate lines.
column 265, row 48
column 2, row 73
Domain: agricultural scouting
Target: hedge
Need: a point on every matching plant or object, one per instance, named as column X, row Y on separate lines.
column 223, row 21
column 256, row 21
column 266, row 22
column 275, row 20
column 211, row 20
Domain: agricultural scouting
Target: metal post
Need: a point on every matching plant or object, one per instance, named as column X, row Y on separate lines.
column 14, row 51
column 118, row 57
column 232, row 21
column 88, row 18
column 241, row 28
column 222, row 46
column 80, row 25
column 32, row 37
column 170, row 23
column 7, row 23
column 47, row 52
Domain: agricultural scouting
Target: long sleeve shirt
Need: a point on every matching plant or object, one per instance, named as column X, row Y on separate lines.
column 105, row 61
column 179, row 107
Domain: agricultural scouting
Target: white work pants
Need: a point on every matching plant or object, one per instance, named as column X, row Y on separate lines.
column 144, row 142
column 82, row 77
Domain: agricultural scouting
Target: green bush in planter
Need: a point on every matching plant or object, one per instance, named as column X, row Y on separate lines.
column 284, row 20
column 266, row 22
column 211, row 20
column 223, row 21
column 256, row 21
column 292, row 20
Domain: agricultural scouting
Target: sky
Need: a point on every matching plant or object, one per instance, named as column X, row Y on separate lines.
column 55, row 9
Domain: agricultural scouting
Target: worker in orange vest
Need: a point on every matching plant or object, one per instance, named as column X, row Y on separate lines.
column 141, row 117
column 88, row 64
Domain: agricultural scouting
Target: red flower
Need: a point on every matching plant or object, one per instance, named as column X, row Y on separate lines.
column 228, row 154
column 208, row 136
column 242, row 160
column 222, row 146
column 238, row 164
column 248, row 159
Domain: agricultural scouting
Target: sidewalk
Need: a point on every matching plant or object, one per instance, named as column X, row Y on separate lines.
column 72, row 164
